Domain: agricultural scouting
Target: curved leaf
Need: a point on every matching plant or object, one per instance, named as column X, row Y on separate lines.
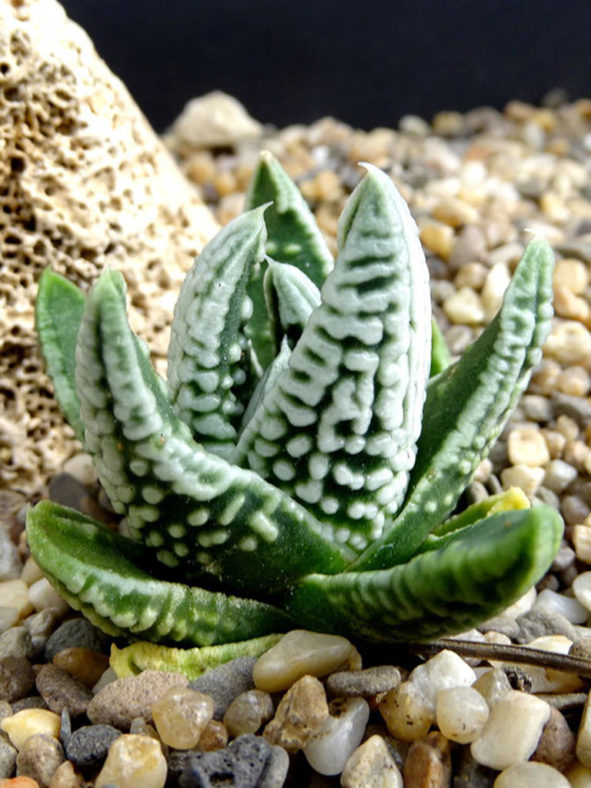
column 58, row 313
column 340, row 426
column 479, row 572
column 189, row 507
column 468, row 405
column 97, row 572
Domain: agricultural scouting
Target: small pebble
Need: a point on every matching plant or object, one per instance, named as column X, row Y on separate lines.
column 528, row 477
column 75, row 633
column 248, row 712
column 7, row 759
column 461, row 713
column 406, row 712
column 428, row 763
column 371, row 766
column 133, row 761
column 181, row 715
column 15, row 593
column 39, row 757
column 301, row 653
column 122, row 700
column 569, row 343
column 10, row 562
column 16, row 678
column 83, row 664
column 226, row 682
column 299, row 716
column 579, row 776
column 28, row 722
column 87, row 747
column 537, row 623
column 556, row 746
column 443, row 671
column 464, row 306
column 558, row 475
column 581, row 539
column 551, row 602
column 526, row 446
column 339, row 736
column 583, row 746
column 43, row 595
column 493, row 685
column 16, row 642
column 363, row 683
column 60, row 690
column 531, row 775
column 214, row 737
column 20, row 782
column 66, row 777
column 512, row 732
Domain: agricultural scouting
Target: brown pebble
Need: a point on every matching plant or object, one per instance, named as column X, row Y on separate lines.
column 428, row 763
column 83, row 664
column 214, row 737
column 39, row 757
column 556, row 746
column 17, row 678
column 60, row 690
column 300, row 714
column 119, row 702
column 65, row 777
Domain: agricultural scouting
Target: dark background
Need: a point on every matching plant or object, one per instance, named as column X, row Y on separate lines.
column 366, row 63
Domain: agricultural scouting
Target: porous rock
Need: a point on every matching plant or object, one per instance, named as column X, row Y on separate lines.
column 84, row 183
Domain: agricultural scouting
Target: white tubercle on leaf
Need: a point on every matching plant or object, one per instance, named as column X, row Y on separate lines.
column 354, row 386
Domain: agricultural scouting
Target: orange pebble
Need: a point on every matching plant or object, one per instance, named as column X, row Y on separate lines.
column 82, row 663
column 19, row 782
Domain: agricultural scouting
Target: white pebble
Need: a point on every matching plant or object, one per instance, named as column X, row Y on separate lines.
column 371, row 766
column 569, row 343
column 559, row 474
column 464, row 307
column 406, row 713
column 581, row 538
column 525, row 476
column 15, row 593
column 443, row 671
column 522, row 605
column 43, row 595
column 8, row 618
column 512, row 732
column 329, row 750
column 550, row 601
column 494, row 287
column 526, row 446
column 531, row 775
column 579, row 776
column 461, row 713
column 493, row 685
column 548, row 679
column 581, row 587
column 583, row 749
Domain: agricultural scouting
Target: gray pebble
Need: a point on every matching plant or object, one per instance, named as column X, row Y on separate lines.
column 559, row 474
column 40, row 626
column 275, row 772
column 121, row 701
column 30, row 702
column 87, row 747
column 503, row 624
column 39, row 757
column 10, row 562
column 242, row 763
column 544, row 495
column 577, row 408
column 469, row 247
column 536, row 407
column 536, row 623
column 458, row 338
column 75, row 633
column 67, row 490
column 565, row 557
column 16, row 678
column 7, row 759
column 364, row 683
column 574, row 509
column 5, row 709
column 225, row 682
column 16, row 642
column 60, row 690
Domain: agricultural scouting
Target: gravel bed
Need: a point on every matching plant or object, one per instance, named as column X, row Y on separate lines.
column 491, row 707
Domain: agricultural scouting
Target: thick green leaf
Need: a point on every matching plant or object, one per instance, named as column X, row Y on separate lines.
column 468, row 405
column 58, row 312
column 205, row 375
column 190, row 508
column 292, row 237
column 339, row 427
column 290, row 297
column 98, row 572
column 477, row 573
column 440, row 355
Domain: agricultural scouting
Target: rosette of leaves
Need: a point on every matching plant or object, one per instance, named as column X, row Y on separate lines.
column 303, row 462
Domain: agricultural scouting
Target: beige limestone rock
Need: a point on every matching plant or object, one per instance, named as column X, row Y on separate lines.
column 84, row 183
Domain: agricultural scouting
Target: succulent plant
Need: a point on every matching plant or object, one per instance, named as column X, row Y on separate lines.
column 304, row 461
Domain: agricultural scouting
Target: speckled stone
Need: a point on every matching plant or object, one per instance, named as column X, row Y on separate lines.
column 77, row 632
column 61, row 691
column 226, row 682
column 7, row 759
column 556, row 746
column 87, row 746
column 299, row 716
column 16, row 678
column 537, row 623
column 122, row 700
column 16, row 642
column 39, row 757
column 249, row 762
column 364, row 683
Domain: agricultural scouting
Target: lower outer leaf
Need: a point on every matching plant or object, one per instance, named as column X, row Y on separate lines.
column 441, row 592
column 96, row 570
column 191, row 662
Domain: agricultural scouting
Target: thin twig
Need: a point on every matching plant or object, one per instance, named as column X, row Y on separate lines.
column 506, row 653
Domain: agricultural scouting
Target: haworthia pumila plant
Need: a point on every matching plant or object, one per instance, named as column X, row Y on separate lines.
column 303, row 462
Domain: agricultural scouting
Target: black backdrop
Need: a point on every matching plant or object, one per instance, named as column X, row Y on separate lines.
column 366, row 63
